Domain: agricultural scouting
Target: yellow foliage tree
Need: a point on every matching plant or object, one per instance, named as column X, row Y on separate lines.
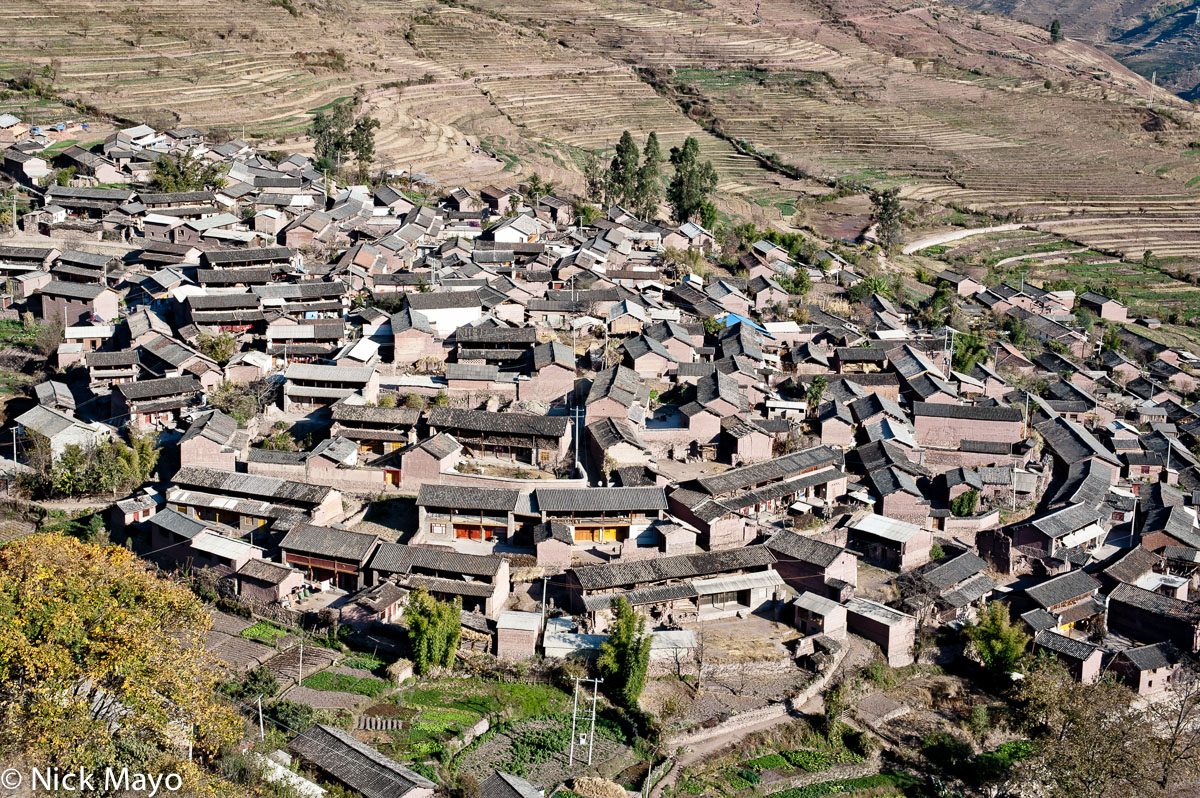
column 96, row 649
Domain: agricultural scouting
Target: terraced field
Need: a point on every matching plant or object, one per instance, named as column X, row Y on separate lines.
column 974, row 112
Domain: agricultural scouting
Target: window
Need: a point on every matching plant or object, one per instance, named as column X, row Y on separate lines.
column 721, row 599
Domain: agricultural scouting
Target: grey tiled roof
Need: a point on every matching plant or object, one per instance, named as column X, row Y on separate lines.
column 324, row 541
column 467, row 498
column 482, row 421
column 1060, row 589
column 1065, row 646
column 398, row 558
column 947, row 574
column 968, row 412
column 1152, row 657
column 586, row 500
column 778, row 468
column 661, row 569
column 1155, row 603
column 789, row 545
column 356, row 764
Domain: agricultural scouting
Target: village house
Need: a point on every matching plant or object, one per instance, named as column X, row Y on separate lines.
column 71, row 303
column 723, row 507
column 212, row 440
column 705, row 586
column 263, row 581
column 156, row 403
column 813, row 566
column 310, row 386
column 61, row 429
column 1082, row 659
column 889, row 542
column 480, row 582
column 449, row 515
column 540, row 441
column 1148, row 670
column 947, row 426
column 1150, row 617
column 893, row 631
column 337, row 557
column 250, row 501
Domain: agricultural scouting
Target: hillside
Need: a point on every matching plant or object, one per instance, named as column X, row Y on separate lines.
column 1152, row 37
column 963, row 110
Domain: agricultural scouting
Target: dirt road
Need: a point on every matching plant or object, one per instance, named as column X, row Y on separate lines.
column 955, row 235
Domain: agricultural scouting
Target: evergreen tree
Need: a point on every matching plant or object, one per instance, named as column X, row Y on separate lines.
column 623, row 172
column 694, row 182
column 649, row 183
column 1056, row 32
column 594, row 178
column 885, row 213
column 361, row 139
column 625, row 656
column 330, row 132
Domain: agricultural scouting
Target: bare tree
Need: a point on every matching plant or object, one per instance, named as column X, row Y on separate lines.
column 1176, row 724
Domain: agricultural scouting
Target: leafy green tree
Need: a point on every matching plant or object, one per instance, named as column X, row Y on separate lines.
column 1019, row 334
column 969, row 350
column 998, row 643
column 257, row 682
column 886, row 214
column 965, row 504
column 693, row 183
column 96, row 649
column 188, row 172
column 433, row 630
column 712, row 325
column 361, row 139
column 799, row 284
column 873, row 284
column 536, row 188
column 111, row 467
column 586, row 213
column 649, row 180
column 625, row 656
column 330, row 132
column 290, row 716
column 64, row 176
column 1056, row 32
column 623, row 172
column 595, row 178
column 815, row 390
column 221, row 347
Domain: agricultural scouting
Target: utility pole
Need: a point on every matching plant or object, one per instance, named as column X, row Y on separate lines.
column 592, row 732
column 574, row 714
column 545, row 587
column 301, row 679
column 262, row 733
column 1014, row 488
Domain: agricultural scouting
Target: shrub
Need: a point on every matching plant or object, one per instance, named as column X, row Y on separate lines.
column 290, row 716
